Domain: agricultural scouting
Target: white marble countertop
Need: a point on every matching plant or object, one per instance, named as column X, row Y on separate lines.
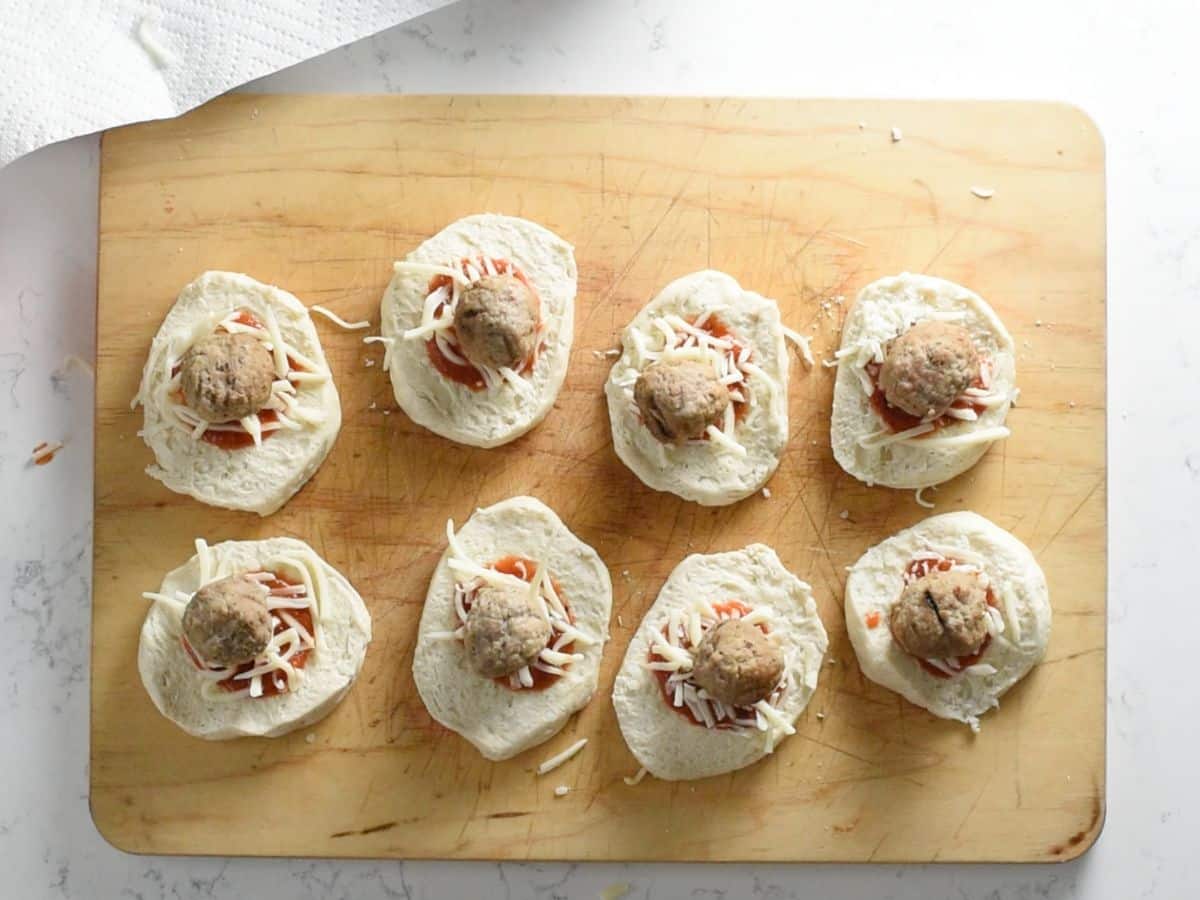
column 1135, row 71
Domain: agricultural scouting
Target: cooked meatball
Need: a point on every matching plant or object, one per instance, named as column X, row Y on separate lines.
column 226, row 376
column 503, row 632
column 941, row 615
column 927, row 367
column 227, row 622
column 737, row 664
column 496, row 321
column 678, row 400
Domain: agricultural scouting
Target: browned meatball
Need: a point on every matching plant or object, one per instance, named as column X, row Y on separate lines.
column 503, row 632
column 679, row 400
column 496, row 321
column 928, row 367
column 940, row 615
column 227, row 376
column 737, row 664
column 227, row 622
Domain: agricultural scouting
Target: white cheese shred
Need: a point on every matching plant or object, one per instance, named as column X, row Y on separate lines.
column 884, row 438
column 725, row 441
column 967, row 439
column 273, row 663
column 1010, row 612
column 558, row 759
column 636, row 778
column 338, row 320
column 205, row 560
column 416, row 268
column 672, row 338
column 284, row 401
column 437, row 320
column 388, row 344
column 543, row 599
column 804, row 344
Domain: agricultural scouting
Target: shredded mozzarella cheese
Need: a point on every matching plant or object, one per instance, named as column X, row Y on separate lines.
column 437, row 320
column 672, row 338
column 1010, row 611
column 967, row 439
column 543, row 598
column 274, row 661
column 980, row 669
column 941, row 665
column 883, row 437
column 723, row 439
column 388, row 344
column 430, row 270
column 673, row 653
column 803, row 343
column 338, row 320
column 283, row 400
column 558, row 759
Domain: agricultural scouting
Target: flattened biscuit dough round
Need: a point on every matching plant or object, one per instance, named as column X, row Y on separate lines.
column 1017, row 581
column 174, row 683
column 882, row 310
column 255, row 479
column 499, row 721
column 666, row 743
column 498, row 415
column 704, row 471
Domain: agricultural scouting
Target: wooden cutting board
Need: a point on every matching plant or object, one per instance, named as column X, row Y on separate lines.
column 804, row 201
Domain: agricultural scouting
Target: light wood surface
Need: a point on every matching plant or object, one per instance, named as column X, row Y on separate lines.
column 804, row 201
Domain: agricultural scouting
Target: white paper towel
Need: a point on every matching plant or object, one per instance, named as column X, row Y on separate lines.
column 70, row 67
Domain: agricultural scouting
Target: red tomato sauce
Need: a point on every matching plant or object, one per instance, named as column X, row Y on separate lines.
column 733, row 606
column 919, row 567
column 524, row 568
column 236, row 440
column 270, row 689
column 44, row 458
column 896, row 419
column 715, row 326
column 465, row 373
